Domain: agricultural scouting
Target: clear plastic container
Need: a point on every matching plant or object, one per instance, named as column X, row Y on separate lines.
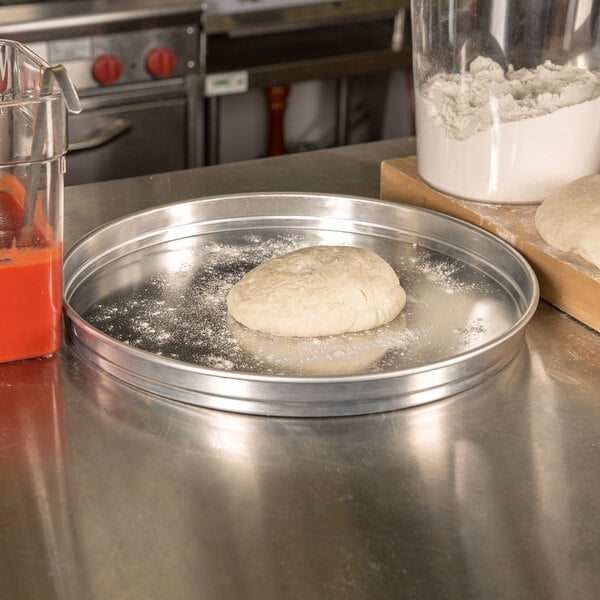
column 33, row 141
column 507, row 96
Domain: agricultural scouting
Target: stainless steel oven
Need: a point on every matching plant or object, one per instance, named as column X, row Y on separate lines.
column 137, row 67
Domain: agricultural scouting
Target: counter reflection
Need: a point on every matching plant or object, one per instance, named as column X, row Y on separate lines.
column 33, row 466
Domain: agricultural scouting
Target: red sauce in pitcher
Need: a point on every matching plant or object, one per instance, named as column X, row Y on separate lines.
column 30, row 285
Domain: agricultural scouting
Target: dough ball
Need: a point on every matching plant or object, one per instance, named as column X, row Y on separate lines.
column 569, row 219
column 318, row 291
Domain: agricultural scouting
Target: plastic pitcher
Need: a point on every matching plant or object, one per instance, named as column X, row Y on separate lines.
column 34, row 100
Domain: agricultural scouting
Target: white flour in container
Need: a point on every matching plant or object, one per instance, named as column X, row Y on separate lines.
column 508, row 137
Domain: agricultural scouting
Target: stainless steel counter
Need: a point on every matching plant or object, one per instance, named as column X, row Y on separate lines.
column 106, row 492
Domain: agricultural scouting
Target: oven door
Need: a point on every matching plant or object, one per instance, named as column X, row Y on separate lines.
column 113, row 142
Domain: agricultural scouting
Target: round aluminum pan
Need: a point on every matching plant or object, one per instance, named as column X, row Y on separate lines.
column 145, row 300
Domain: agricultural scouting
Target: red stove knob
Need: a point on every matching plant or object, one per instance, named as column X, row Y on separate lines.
column 161, row 62
column 107, row 69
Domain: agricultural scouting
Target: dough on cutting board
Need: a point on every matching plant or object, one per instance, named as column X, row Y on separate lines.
column 318, row 291
column 569, row 219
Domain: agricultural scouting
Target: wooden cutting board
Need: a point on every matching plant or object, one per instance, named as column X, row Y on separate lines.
column 566, row 281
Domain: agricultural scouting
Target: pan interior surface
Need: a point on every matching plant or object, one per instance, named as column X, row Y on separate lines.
column 172, row 303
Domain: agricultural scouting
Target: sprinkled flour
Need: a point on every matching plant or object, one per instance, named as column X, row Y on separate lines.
column 178, row 310
column 508, row 136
